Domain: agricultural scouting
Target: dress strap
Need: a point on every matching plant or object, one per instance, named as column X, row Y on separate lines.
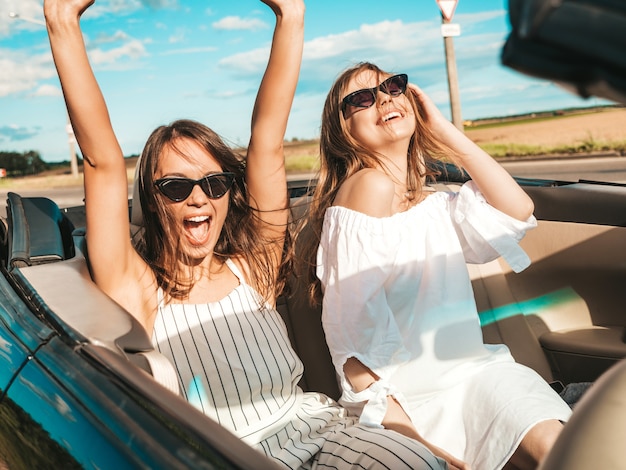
column 235, row 270
column 160, row 298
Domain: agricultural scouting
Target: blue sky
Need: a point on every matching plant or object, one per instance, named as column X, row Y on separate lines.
column 160, row 60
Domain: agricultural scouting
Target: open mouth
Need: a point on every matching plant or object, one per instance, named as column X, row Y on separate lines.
column 197, row 229
column 392, row 115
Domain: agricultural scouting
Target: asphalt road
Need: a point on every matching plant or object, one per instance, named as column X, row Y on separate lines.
column 612, row 169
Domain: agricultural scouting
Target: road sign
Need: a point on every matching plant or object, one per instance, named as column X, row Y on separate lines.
column 450, row 29
column 447, row 8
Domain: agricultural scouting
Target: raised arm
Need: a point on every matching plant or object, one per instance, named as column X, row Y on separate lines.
column 106, row 186
column 265, row 167
column 495, row 183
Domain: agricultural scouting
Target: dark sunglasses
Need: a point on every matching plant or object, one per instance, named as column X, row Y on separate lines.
column 393, row 86
column 178, row 189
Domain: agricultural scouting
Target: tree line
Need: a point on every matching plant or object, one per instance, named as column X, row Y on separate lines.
column 22, row 164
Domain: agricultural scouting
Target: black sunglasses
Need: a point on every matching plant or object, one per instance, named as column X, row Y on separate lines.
column 393, row 86
column 178, row 189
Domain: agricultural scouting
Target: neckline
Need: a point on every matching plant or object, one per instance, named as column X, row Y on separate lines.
column 419, row 206
column 231, row 266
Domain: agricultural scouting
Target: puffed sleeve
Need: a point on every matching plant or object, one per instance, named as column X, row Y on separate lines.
column 354, row 261
column 486, row 233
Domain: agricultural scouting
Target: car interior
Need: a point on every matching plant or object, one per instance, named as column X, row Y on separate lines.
column 45, row 257
column 563, row 316
column 579, row 45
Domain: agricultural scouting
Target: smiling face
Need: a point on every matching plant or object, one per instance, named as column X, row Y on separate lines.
column 387, row 124
column 198, row 220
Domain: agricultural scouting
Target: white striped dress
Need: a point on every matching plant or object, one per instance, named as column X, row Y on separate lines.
column 236, row 364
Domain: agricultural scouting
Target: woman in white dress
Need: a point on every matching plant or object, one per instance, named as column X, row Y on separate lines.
column 204, row 275
column 398, row 309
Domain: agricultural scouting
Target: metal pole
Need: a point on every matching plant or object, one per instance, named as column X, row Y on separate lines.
column 71, row 140
column 453, row 79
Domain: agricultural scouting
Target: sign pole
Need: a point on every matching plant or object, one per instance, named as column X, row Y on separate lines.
column 448, row 30
column 453, row 79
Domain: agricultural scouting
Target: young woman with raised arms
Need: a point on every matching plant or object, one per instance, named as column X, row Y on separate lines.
column 204, row 275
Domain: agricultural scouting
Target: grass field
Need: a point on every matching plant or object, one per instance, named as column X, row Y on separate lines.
column 582, row 131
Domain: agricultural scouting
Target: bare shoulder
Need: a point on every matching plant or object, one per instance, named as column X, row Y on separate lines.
column 369, row 191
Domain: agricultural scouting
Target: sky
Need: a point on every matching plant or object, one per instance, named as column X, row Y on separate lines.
column 161, row 60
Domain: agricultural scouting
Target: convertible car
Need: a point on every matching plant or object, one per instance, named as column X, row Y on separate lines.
column 81, row 386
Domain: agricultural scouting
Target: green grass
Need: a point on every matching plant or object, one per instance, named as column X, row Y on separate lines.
column 589, row 145
column 302, row 163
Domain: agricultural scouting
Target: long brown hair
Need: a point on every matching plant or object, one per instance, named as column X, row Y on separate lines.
column 159, row 245
column 342, row 156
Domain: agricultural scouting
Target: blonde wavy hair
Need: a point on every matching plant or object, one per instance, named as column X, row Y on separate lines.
column 341, row 156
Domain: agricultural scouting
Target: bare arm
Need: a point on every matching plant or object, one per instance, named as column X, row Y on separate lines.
column 265, row 167
column 106, row 194
column 495, row 183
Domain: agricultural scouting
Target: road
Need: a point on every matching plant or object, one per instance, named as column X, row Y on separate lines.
column 612, row 169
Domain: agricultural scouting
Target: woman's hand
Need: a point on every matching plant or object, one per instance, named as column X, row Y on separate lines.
column 431, row 114
column 281, row 7
column 396, row 418
column 496, row 184
column 453, row 462
column 59, row 10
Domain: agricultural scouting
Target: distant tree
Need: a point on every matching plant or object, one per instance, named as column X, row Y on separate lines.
column 21, row 164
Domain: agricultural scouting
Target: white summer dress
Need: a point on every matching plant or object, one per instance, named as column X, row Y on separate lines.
column 236, row 364
column 398, row 297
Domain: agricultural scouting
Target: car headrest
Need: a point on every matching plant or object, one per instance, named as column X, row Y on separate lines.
column 578, row 44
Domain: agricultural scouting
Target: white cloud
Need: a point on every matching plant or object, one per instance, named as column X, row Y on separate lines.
column 14, row 133
column 112, row 58
column 48, row 90
column 389, row 37
column 22, row 72
column 473, row 18
column 238, row 23
column 190, row 50
column 118, row 36
column 384, row 42
column 30, row 16
column 391, row 44
column 178, row 36
column 117, row 7
column 247, row 62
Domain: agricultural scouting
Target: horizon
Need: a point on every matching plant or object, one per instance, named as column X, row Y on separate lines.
column 159, row 60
